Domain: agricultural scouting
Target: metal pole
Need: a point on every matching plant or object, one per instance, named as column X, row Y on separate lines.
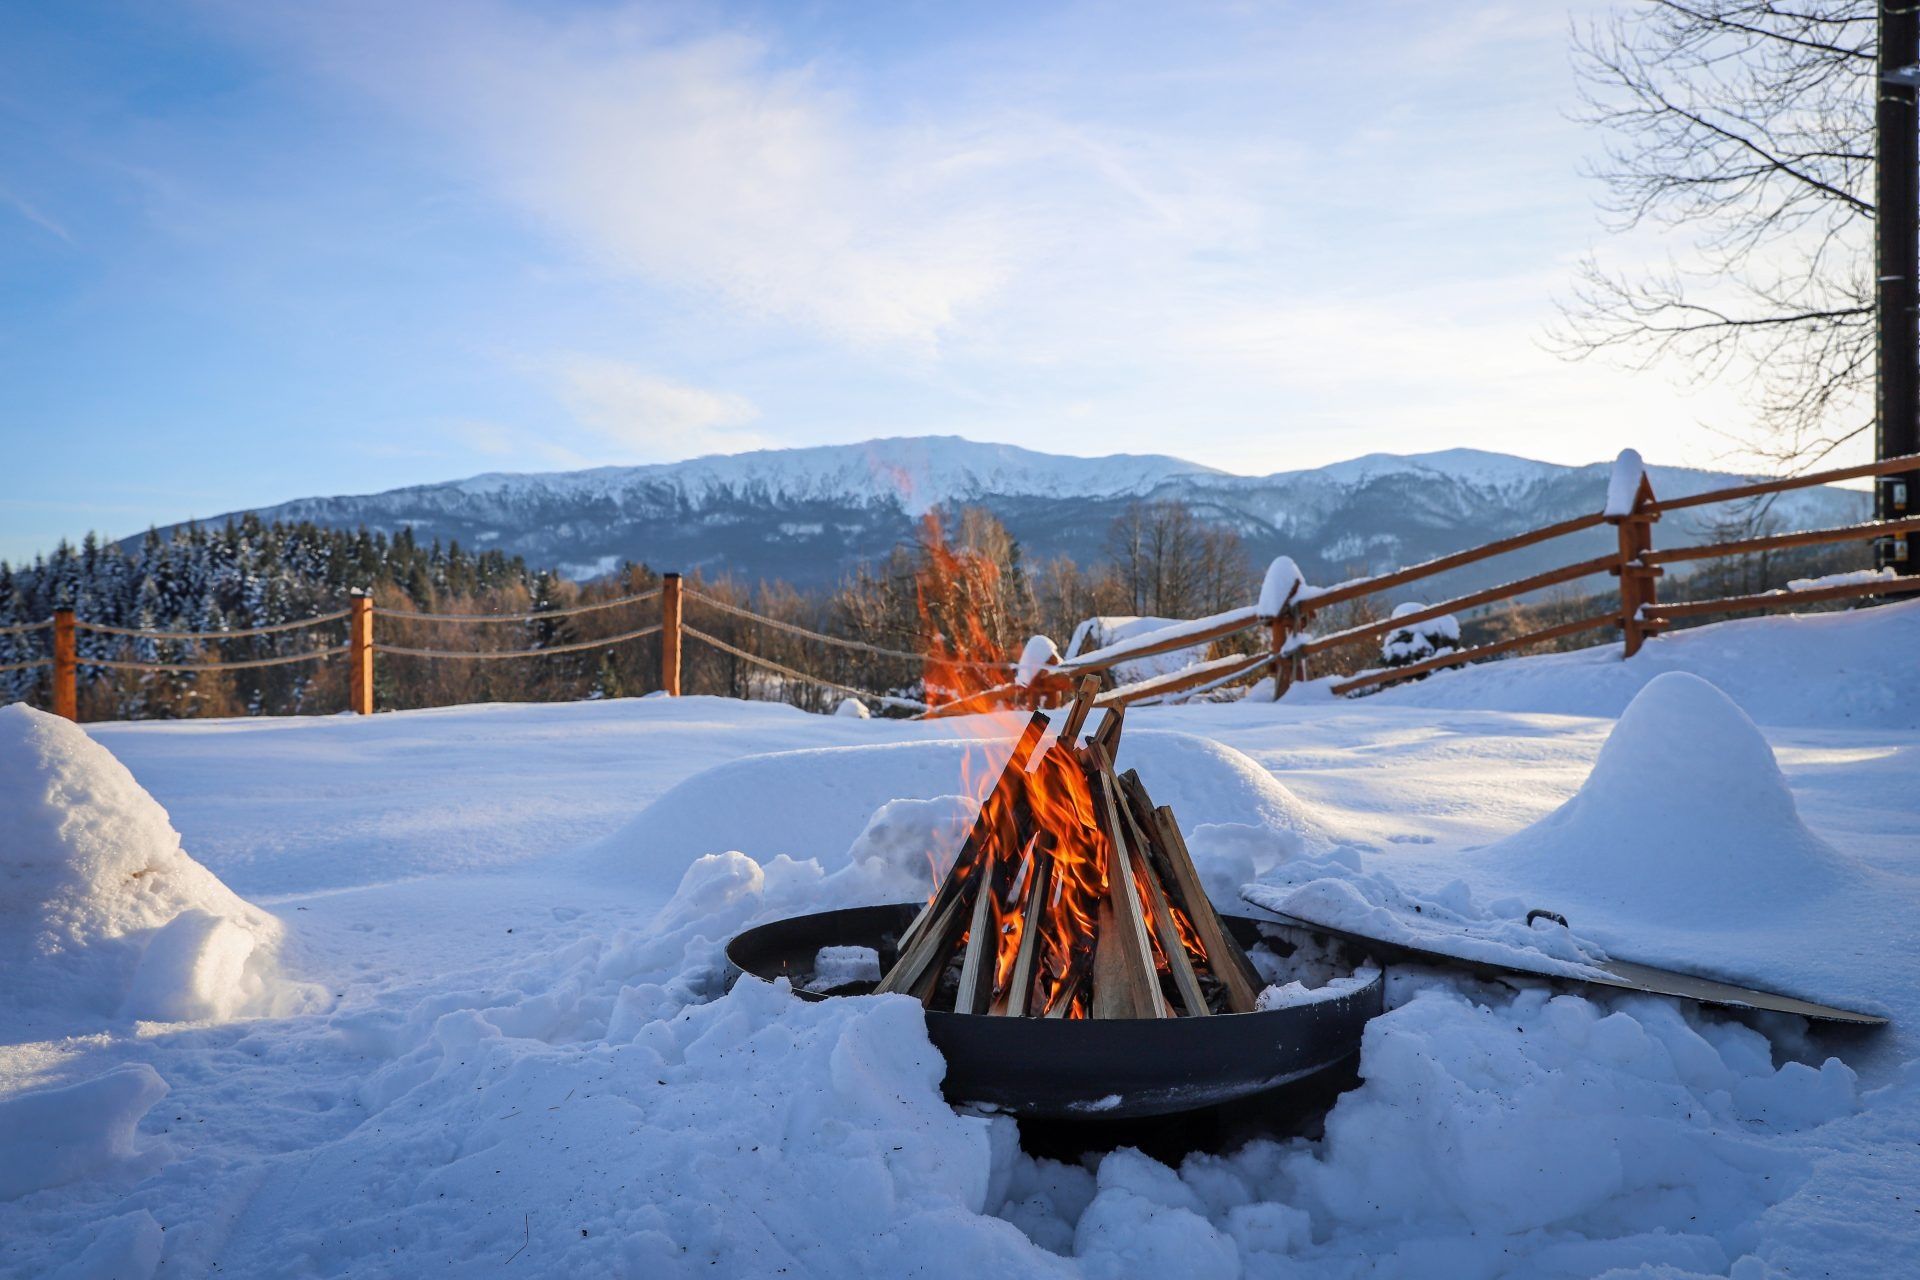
column 1897, row 263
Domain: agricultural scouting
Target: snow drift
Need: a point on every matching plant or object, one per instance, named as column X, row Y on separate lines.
column 1685, row 820
column 812, row 804
column 101, row 911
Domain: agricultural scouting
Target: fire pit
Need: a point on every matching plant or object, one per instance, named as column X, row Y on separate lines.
column 1090, row 1068
column 1069, row 958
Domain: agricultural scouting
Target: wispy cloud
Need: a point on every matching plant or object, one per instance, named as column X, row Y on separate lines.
column 32, row 214
column 645, row 416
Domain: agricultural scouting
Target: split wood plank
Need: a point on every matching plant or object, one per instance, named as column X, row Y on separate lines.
column 1224, row 954
column 981, row 949
column 999, row 800
column 1077, row 715
column 1142, row 983
column 1039, row 889
column 918, row 957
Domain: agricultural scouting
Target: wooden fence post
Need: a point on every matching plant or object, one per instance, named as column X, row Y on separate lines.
column 670, row 634
column 1637, row 579
column 1283, row 665
column 360, row 654
column 66, row 666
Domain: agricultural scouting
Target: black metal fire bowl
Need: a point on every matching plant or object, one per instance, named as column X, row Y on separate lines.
column 1083, row 1068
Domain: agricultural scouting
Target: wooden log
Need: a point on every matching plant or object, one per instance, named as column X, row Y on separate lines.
column 1077, row 715
column 1224, row 955
column 1141, row 994
column 1039, row 889
column 1884, row 467
column 1185, row 981
column 1010, row 783
column 1780, row 541
column 1107, row 736
column 917, row 958
column 1427, row 568
column 670, row 634
column 1592, row 623
column 982, row 947
column 360, row 655
column 1769, row 600
column 66, row 666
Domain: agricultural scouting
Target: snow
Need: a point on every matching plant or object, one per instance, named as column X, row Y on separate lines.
column 526, row 1063
column 102, row 904
column 1116, row 637
column 1280, row 588
column 1623, row 484
column 853, row 709
column 1853, row 578
column 1037, row 655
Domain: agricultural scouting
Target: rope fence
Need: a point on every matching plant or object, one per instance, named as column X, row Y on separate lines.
column 791, row 674
column 24, row 628
column 486, row 655
column 536, row 616
column 246, row 664
column 238, row 633
column 845, row 643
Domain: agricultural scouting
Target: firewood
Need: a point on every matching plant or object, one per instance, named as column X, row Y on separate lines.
column 1185, row 981
column 917, row 958
column 1224, row 954
column 1077, row 714
column 1010, row 783
column 982, row 948
column 1032, row 922
column 1142, row 984
column 1107, row 736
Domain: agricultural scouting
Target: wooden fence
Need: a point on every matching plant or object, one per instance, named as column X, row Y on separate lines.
column 1636, row 565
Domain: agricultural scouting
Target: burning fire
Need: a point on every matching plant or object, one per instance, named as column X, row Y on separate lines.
column 1046, row 832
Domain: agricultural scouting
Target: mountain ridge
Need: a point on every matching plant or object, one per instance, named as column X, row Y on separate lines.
column 810, row 514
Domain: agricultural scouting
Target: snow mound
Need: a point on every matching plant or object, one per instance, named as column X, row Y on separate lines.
column 1686, row 819
column 101, row 911
column 815, row 804
column 60, row 1134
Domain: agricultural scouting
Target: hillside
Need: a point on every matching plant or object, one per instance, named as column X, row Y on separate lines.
column 808, row 515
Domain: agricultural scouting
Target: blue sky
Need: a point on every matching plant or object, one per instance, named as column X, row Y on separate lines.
column 253, row 251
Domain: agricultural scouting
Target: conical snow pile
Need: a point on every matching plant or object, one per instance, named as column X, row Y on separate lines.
column 1686, row 819
column 102, row 913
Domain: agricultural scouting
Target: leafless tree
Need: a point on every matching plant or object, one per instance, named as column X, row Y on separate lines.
column 1744, row 127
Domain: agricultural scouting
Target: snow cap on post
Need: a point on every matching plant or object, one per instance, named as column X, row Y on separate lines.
column 1282, row 587
column 1623, row 486
column 1039, row 654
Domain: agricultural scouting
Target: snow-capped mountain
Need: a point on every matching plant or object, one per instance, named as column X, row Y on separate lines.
column 808, row 515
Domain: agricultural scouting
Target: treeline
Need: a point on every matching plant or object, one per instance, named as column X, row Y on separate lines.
column 963, row 586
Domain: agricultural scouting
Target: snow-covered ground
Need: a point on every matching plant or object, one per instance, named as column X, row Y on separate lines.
column 460, row 1011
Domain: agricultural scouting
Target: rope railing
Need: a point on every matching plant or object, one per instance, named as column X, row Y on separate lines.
column 237, row 633
column 570, row 611
column 781, row 669
column 488, row 655
column 24, row 628
column 25, row 666
column 844, row 642
column 280, row 660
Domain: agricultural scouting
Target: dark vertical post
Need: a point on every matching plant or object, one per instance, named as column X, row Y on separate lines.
column 1897, row 264
column 66, row 666
column 360, row 655
column 670, row 634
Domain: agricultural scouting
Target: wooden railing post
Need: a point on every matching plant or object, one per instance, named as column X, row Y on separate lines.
column 1284, row 664
column 66, row 666
column 670, row 634
column 1637, row 578
column 360, row 654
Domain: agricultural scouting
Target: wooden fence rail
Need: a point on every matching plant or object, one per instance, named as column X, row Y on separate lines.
column 1635, row 564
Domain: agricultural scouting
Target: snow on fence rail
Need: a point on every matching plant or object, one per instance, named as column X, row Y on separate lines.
column 1286, row 608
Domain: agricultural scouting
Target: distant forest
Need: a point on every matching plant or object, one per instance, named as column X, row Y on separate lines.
column 963, row 584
